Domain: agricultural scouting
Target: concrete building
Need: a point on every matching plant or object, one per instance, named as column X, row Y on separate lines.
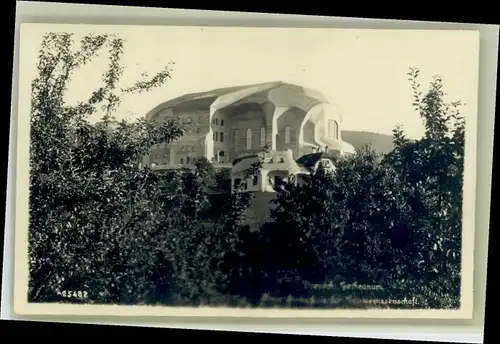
column 225, row 124
column 277, row 166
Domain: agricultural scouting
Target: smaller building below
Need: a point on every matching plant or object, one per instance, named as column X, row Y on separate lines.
column 277, row 167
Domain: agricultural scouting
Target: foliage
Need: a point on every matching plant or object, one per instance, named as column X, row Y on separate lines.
column 394, row 222
column 99, row 221
column 102, row 223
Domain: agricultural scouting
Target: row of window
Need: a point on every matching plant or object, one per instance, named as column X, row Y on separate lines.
column 182, row 160
column 333, row 132
column 186, row 160
column 218, row 136
column 165, row 155
column 191, row 130
column 187, row 120
column 183, row 149
column 216, row 121
column 276, row 181
column 237, row 181
column 263, row 137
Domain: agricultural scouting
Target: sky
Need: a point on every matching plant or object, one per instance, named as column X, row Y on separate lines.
column 362, row 72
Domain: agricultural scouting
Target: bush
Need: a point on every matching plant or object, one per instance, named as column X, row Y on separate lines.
column 102, row 223
column 393, row 221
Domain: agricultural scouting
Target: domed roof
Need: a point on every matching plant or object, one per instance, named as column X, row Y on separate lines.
column 277, row 92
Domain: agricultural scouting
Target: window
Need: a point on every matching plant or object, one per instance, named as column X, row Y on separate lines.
column 221, row 137
column 213, row 121
column 221, row 122
column 187, row 160
column 216, row 121
column 333, row 129
column 255, row 180
column 262, row 137
column 198, row 130
column 216, row 136
column 277, row 181
column 249, row 138
column 182, row 161
column 287, row 135
column 221, row 153
column 237, row 183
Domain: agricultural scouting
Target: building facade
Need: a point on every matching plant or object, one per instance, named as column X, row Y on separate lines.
column 225, row 124
column 276, row 167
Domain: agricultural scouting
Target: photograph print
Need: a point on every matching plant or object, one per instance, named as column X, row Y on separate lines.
column 229, row 171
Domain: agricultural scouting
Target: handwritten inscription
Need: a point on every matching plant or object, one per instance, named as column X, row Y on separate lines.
column 355, row 286
column 348, row 286
column 404, row 301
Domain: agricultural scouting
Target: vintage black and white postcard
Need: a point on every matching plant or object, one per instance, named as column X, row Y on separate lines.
column 225, row 171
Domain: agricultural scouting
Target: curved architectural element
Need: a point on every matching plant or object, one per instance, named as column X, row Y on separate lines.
column 276, row 166
column 224, row 124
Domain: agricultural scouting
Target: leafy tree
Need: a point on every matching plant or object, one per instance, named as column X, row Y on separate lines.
column 394, row 221
column 101, row 222
column 431, row 170
column 88, row 195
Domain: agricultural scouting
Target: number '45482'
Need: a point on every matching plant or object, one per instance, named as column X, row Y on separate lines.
column 81, row 294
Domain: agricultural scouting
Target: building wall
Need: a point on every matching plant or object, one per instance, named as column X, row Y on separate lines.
column 327, row 165
column 245, row 128
column 246, row 122
column 220, row 136
column 254, row 183
column 187, row 148
column 330, row 129
column 288, row 130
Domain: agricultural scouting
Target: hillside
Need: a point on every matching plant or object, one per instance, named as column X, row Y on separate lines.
column 381, row 143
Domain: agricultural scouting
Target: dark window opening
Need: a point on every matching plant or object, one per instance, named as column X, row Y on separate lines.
column 182, row 160
column 255, row 180
column 221, row 122
column 221, row 137
column 278, row 181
